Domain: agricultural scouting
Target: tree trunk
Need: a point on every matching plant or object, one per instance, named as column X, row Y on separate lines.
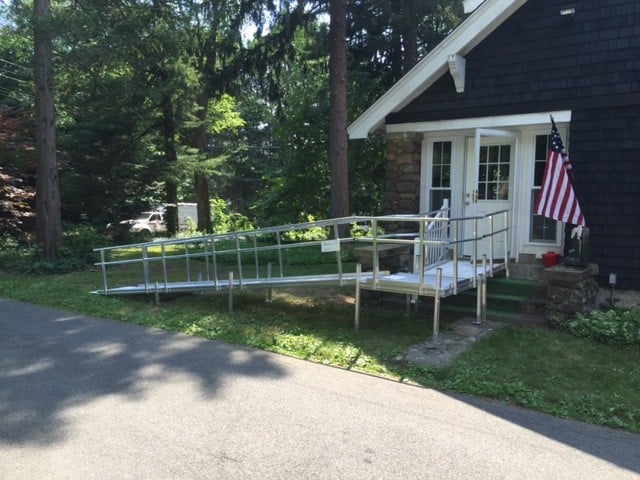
column 338, row 137
column 171, row 214
column 200, row 177
column 204, row 207
column 48, row 222
column 171, row 155
column 409, row 37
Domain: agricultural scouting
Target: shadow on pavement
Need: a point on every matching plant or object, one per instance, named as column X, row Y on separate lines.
column 615, row 446
column 52, row 360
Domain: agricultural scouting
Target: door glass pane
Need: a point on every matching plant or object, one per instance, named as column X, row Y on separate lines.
column 494, row 172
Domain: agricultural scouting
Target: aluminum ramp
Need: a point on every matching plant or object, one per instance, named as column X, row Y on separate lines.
column 428, row 247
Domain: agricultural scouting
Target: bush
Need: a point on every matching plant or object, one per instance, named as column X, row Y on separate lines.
column 314, row 233
column 225, row 221
column 613, row 326
column 75, row 252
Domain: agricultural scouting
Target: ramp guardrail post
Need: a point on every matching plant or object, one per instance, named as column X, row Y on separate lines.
column 145, row 266
column 104, row 272
column 436, row 307
column 230, row 292
column 356, row 321
column 484, row 288
column 269, row 289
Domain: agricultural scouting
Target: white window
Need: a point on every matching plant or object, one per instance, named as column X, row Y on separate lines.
column 543, row 230
column 440, row 185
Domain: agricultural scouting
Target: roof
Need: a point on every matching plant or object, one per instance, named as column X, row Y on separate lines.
column 475, row 28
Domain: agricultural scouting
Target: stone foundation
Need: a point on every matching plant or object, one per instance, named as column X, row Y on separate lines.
column 402, row 192
column 570, row 290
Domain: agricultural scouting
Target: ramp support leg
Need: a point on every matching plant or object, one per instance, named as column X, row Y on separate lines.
column 269, row 289
column 356, row 321
column 436, row 307
column 230, row 292
column 484, row 288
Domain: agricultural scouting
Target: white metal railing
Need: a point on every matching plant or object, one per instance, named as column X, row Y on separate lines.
column 436, row 237
column 420, row 242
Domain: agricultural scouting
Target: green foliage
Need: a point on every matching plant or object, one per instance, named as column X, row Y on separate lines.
column 613, row 326
column 75, row 253
column 360, row 231
column 190, row 231
column 313, row 233
column 223, row 115
column 225, row 221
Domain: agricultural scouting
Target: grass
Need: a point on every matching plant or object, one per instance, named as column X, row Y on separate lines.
column 537, row 368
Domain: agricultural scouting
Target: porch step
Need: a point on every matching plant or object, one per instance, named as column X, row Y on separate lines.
column 527, row 271
column 506, row 297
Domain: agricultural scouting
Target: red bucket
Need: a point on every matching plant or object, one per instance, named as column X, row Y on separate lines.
column 550, row 259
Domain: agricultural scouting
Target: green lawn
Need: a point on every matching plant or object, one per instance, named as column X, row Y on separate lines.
column 538, row 368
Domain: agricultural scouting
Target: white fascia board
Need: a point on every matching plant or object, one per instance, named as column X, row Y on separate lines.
column 498, row 121
column 462, row 40
column 470, row 5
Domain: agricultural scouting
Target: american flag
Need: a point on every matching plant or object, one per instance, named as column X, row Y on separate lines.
column 557, row 199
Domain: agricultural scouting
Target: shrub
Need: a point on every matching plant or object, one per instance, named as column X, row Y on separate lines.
column 75, row 253
column 613, row 326
column 314, row 233
column 225, row 221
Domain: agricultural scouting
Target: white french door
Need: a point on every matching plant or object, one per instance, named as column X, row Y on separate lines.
column 489, row 187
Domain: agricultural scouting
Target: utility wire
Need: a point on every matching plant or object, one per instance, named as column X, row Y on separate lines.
column 13, row 64
column 12, row 78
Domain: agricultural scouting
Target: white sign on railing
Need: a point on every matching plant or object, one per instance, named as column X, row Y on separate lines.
column 330, row 246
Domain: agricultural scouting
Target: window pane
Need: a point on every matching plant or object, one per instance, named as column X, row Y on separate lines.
column 446, row 152
column 483, row 155
column 541, row 146
column 505, row 153
column 542, row 229
column 436, row 180
column 538, row 174
column 503, row 191
column 482, row 173
column 482, row 191
column 437, row 197
column 541, row 159
column 494, row 154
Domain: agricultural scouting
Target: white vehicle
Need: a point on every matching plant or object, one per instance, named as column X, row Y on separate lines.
column 153, row 222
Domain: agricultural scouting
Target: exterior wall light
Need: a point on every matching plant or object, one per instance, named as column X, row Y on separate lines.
column 568, row 12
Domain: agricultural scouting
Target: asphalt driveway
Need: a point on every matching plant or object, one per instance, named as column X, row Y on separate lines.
column 85, row 398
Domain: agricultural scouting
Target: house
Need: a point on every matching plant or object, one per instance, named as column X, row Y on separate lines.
column 471, row 122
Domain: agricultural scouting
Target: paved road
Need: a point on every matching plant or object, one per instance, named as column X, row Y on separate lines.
column 84, row 398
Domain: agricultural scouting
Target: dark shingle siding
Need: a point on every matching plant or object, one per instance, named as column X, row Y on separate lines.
column 539, row 61
column 605, row 152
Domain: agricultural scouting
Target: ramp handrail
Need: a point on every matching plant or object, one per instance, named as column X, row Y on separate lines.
column 433, row 234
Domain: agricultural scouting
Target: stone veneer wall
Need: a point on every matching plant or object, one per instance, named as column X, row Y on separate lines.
column 403, row 175
column 570, row 290
column 402, row 188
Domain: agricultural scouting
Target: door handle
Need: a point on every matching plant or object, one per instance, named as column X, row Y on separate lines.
column 475, row 196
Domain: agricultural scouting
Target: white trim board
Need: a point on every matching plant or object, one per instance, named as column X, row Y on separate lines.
column 526, row 119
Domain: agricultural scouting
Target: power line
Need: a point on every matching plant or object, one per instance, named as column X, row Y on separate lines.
column 13, row 64
column 11, row 78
